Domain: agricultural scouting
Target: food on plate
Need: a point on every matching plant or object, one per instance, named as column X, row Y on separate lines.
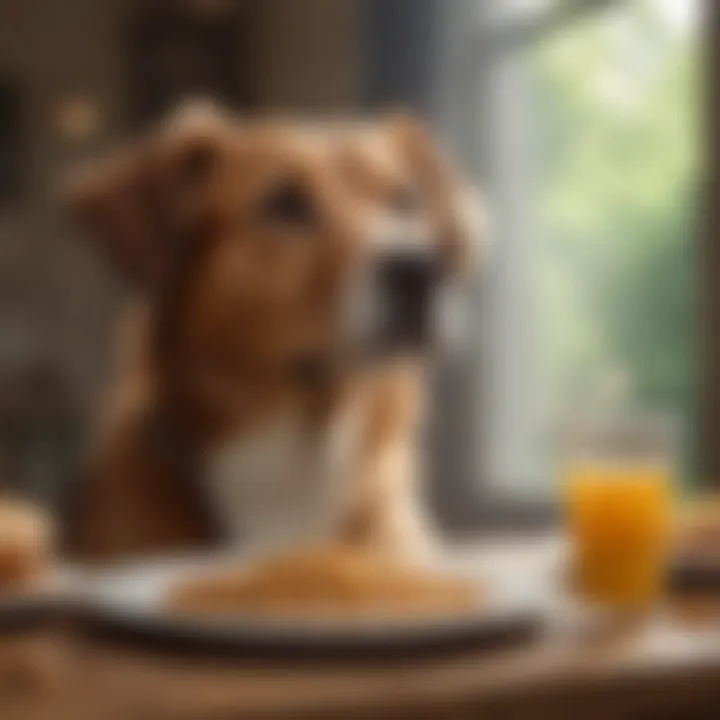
column 25, row 540
column 325, row 582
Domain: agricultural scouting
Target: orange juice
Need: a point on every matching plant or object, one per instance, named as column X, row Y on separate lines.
column 619, row 522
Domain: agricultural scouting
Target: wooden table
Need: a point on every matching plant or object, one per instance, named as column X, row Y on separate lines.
column 666, row 666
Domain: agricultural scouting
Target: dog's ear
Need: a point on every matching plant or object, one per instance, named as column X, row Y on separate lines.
column 143, row 202
column 458, row 207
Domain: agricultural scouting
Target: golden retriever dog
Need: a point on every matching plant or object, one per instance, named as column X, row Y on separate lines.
column 271, row 368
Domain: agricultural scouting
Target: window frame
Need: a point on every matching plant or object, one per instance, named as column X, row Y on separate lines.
column 709, row 256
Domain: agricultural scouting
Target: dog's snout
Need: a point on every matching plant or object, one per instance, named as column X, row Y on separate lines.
column 407, row 275
column 392, row 306
column 404, row 284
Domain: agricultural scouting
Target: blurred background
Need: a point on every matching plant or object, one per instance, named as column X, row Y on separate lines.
column 584, row 121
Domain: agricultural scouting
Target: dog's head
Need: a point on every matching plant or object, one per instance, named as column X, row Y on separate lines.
column 270, row 242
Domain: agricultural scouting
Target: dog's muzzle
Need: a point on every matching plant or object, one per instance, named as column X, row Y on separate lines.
column 394, row 305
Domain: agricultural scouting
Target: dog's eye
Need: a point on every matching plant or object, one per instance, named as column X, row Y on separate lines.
column 289, row 203
column 405, row 200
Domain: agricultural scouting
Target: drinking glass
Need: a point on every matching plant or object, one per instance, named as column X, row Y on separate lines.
column 618, row 487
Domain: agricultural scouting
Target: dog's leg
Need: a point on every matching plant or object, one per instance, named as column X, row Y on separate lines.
column 389, row 514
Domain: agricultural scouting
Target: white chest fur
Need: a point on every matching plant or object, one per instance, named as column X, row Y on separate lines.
column 283, row 483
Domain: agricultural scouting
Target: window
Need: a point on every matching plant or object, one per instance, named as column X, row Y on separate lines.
column 584, row 130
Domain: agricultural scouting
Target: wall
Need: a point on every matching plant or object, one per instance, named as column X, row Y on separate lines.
column 50, row 287
column 308, row 54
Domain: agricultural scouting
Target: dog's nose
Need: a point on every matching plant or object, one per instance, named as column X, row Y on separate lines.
column 408, row 276
column 405, row 283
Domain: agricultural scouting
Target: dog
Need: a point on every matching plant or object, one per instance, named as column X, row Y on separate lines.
column 272, row 366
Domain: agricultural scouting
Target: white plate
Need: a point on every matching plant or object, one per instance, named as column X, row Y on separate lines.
column 129, row 602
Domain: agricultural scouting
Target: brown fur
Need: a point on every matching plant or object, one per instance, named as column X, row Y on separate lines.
column 228, row 301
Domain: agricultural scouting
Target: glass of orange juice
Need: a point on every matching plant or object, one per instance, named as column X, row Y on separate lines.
column 618, row 497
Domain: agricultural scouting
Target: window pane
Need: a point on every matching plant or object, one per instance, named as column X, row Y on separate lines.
column 603, row 254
